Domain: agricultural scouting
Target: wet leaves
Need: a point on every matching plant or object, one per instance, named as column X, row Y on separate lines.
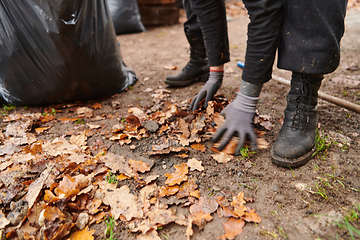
column 233, row 227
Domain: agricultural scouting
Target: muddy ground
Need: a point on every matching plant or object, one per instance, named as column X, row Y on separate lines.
column 297, row 203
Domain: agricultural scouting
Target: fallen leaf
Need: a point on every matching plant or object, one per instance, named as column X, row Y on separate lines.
column 52, row 213
column 46, row 118
column 66, row 119
column 122, row 202
column 178, row 176
column 262, row 143
column 117, row 163
column 233, row 227
column 222, row 157
column 139, row 166
column 3, row 221
column 198, row 146
column 96, row 106
column 122, row 177
column 84, row 234
column 79, row 140
column 170, row 67
column 93, row 126
column 148, row 90
column 151, row 178
column 188, row 189
column 238, row 204
column 150, row 235
column 165, row 191
column 41, row 130
column 206, row 205
column 184, row 155
column 251, row 216
column 194, row 164
column 93, row 206
column 83, row 110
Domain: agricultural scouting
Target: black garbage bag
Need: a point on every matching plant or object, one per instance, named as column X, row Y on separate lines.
column 54, row 51
column 126, row 16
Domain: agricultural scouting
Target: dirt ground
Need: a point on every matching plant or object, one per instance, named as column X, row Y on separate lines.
column 297, row 203
column 287, row 210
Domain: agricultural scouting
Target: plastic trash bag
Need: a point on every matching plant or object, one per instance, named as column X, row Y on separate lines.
column 54, row 51
column 126, row 16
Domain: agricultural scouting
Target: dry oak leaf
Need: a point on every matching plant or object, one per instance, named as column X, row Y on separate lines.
column 194, row 164
column 66, row 119
column 150, row 235
column 151, row 178
column 93, row 206
column 122, row 202
column 204, row 204
column 146, row 194
column 222, row 157
column 198, row 218
column 96, row 106
column 184, row 155
column 198, row 146
column 83, row 110
column 178, row 176
column 238, row 204
column 233, row 227
column 122, row 177
column 188, row 189
column 41, row 130
column 46, row 118
column 161, row 217
column 165, row 191
column 230, row 148
column 251, row 216
column 139, row 166
column 84, row 234
column 3, row 220
column 117, row 163
column 52, row 213
column 59, row 146
column 79, row 140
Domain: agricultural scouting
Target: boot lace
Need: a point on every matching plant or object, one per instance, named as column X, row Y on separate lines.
column 305, row 90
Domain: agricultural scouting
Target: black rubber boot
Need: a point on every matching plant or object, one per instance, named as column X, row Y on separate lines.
column 197, row 69
column 295, row 143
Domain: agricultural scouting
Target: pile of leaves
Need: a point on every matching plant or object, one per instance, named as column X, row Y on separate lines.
column 59, row 188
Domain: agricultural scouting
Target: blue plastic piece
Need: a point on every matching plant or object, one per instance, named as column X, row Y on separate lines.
column 240, row 64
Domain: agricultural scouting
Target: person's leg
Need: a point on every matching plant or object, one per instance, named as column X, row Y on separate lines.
column 309, row 47
column 211, row 16
column 197, row 69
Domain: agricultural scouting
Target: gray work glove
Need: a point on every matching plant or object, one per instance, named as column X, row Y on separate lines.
column 208, row 90
column 239, row 122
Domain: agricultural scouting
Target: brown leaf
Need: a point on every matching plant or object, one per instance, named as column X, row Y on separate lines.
column 262, row 143
column 188, row 189
column 96, row 106
column 66, row 119
column 117, row 163
column 184, row 128
column 194, row 164
column 230, row 148
column 178, row 176
column 166, row 191
column 198, row 146
column 233, row 227
column 93, row 205
column 184, row 155
column 41, row 130
column 46, row 118
column 238, row 204
column 122, row 177
column 68, row 187
column 150, row 235
column 139, row 166
column 151, row 178
column 170, row 67
column 84, row 234
column 133, row 120
column 52, row 213
column 122, row 202
column 251, row 216
column 79, row 140
column 204, row 204
column 3, row 221
column 200, row 218
column 222, row 157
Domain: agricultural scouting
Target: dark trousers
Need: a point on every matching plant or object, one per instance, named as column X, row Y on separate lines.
column 307, row 34
column 206, row 19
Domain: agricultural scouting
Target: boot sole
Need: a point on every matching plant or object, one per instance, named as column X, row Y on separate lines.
column 295, row 162
column 202, row 78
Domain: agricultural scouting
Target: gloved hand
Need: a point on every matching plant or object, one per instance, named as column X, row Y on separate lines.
column 208, row 90
column 239, row 121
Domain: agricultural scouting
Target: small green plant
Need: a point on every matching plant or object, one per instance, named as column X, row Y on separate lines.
column 109, row 231
column 245, row 152
column 7, row 108
column 346, row 223
column 282, row 232
column 123, row 120
column 244, row 185
column 321, row 144
column 53, row 112
column 321, row 191
column 267, row 233
column 131, row 87
column 110, row 178
column 78, row 121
